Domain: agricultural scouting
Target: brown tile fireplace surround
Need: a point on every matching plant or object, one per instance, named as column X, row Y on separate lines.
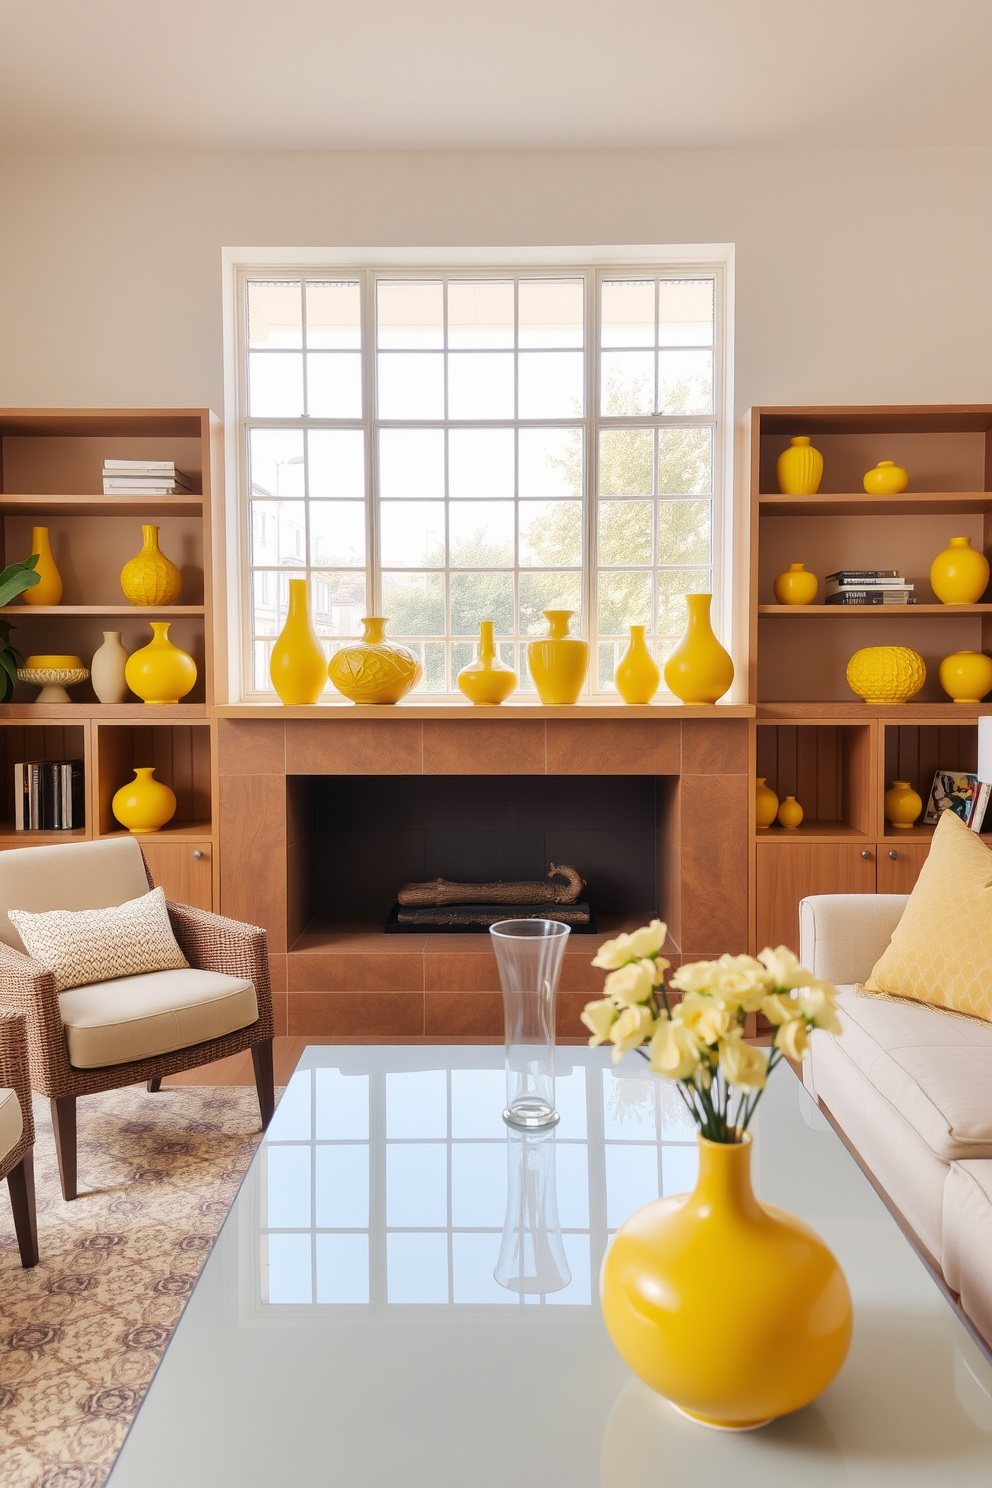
column 353, row 980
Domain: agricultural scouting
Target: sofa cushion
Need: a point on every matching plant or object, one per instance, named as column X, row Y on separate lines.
column 968, row 1239
column 90, row 945
column 11, row 1122
column 70, row 875
column 139, row 1017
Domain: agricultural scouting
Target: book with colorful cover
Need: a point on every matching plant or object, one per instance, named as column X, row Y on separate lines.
column 952, row 790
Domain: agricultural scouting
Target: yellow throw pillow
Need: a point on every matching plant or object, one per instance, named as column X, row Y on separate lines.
column 941, row 950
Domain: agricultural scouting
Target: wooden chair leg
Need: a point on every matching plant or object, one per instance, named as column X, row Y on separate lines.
column 154, row 1086
column 20, row 1181
column 64, row 1122
column 261, row 1058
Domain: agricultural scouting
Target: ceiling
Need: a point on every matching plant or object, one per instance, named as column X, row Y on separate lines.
column 436, row 74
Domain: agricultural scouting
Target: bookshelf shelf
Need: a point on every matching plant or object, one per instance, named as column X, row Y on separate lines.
column 102, row 506
column 131, row 612
column 865, row 612
column 858, row 504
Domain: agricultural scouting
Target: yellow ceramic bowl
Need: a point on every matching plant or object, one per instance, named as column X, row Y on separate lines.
column 886, row 674
column 887, row 479
column 52, row 664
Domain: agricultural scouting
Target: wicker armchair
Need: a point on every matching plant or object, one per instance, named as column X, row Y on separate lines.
column 17, row 1161
column 97, row 875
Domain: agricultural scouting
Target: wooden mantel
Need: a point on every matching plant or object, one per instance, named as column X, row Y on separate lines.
column 333, row 710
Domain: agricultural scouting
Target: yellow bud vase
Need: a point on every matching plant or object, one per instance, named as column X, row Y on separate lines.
column 487, row 680
column 160, row 672
column 736, row 1312
column 887, row 479
column 796, row 586
column 638, row 676
column 958, row 575
column 886, row 674
column 765, row 804
column 799, row 468
column 49, row 590
column 902, row 804
column 790, row 813
column 149, row 578
column 559, row 662
column 298, row 666
column 966, row 676
column 699, row 670
column 144, row 804
column 374, row 670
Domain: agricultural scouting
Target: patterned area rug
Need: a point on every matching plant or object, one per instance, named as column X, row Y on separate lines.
column 81, row 1334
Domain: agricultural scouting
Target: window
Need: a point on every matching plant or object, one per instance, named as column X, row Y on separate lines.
column 444, row 447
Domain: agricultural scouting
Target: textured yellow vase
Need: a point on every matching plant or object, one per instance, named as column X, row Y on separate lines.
column 638, row 675
column 796, row 586
column 799, row 468
column 149, row 578
column 49, row 590
column 958, row 575
column 886, row 674
column 160, row 672
column 558, row 662
column 144, row 804
column 735, row 1311
column 887, row 479
column 374, row 670
column 966, row 676
column 699, row 670
column 902, row 804
column 765, row 804
column 298, row 666
column 487, row 680
column 790, row 813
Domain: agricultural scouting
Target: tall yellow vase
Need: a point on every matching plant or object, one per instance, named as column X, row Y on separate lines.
column 699, row 670
column 799, row 468
column 559, row 662
column 160, row 672
column 958, row 575
column 637, row 676
column 487, row 679
column 49, row 590
column 298, row 666
column 735, row 1311
column 149, row 578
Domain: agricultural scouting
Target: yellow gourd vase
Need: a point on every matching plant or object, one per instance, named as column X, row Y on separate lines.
column 374, row 670
column 958, row 575
column 966, row 676
column 49, row 590
column 558, row 662
column 736, row 1312
column 144, row 804
column 902, row 805
column 886, row 674
column 298, row 666
column 638, row 675
column 149, row 578
column 790, row 813
column 699, row 670
column 796, row 586
column 160, row 672
column 799, row 468
column 887, row 479
column 765, row 804
column 487, row 680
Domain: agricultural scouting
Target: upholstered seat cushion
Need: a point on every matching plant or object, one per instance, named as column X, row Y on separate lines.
column 968, row 1239
column 138, row 1017
column 11, row 1122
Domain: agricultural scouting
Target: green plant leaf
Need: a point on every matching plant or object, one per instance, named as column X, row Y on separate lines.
column 8, row 661
column 17, row 577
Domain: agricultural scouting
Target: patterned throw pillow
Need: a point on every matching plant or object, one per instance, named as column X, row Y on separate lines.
column 96, row 945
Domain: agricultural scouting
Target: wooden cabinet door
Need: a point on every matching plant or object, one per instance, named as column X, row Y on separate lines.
column 787, row 872
column 182, row 869
column 899, row 866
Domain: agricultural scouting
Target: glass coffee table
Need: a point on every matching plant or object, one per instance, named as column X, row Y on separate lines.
column 348, row 1329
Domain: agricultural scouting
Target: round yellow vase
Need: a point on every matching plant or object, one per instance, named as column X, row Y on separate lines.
column 958, row 575
column 48, row 591
column 902, row 804
column 765, row 804
column 790, row 813
column 637, row 676
column 487, row 680
column 699, row 670
column 796, row 586
column 736, row 1312
column 559, row 662
column 886, row 674
column 966, row 676
column 144, row 804
column 160, row 672
column 887, row 479
column 149, row 578
column 799, row 468
column 374, row 670
column 298, row 666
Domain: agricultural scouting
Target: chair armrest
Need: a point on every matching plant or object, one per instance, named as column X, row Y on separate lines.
column 28, row 987
column 841, row 936
column 213, row 943
column 14, row 1071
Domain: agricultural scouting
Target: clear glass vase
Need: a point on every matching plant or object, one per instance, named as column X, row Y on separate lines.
column 529, row 955
column 531, row 1254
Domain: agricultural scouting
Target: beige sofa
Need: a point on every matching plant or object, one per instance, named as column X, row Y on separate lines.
column 911, row 1089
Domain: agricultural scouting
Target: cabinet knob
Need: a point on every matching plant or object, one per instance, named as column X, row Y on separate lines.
column 197, row 853
column 865, row 853
column 893, row 854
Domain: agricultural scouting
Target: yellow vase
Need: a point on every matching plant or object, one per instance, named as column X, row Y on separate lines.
column 160, row 672
column 966, row 676
column 887, row 479
column 298, row 666
column 699, row 670
column 149, row 578
column 790, row 813
column 637, row 676
column 886, row 674
column 144, row 804
column 374, row 670
column 558, row 662
column 765, row 804
column 735, row 1311
column 49, row 590
column 799, row 468
column 902, row 804
column 796, row 586
column 958, row 575
column 487, row 680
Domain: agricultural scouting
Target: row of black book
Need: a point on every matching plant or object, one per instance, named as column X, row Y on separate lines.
column 48, row 795
column 868, row 586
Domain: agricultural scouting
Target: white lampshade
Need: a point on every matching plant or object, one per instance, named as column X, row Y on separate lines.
column 985, row 749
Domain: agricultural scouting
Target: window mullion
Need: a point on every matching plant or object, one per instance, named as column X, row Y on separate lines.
column 590, row 555
column 373, row 573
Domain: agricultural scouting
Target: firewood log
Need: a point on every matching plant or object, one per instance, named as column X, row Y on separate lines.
column 442, row 891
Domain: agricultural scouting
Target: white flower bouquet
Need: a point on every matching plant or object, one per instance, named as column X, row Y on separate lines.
column 699, row 1041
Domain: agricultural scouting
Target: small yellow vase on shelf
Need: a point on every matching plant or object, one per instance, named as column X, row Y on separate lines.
column 765, row 804
column 790, row 813
column 160, row 672
column 796, row 586
column 298, row 666
column 49, row 589
column 638, row 675
column 886, row 479
column 886, row 674
column 799, row 468
column 374, row 670
column 487, row 680
column 902, row 804
column 558, row 662
column 144, row 804
column 958, row 575
column 966, row 676
column 699, row 670
column 149, row 578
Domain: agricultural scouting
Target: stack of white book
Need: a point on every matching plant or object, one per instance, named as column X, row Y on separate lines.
column 868, row 586
column 143, row 478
